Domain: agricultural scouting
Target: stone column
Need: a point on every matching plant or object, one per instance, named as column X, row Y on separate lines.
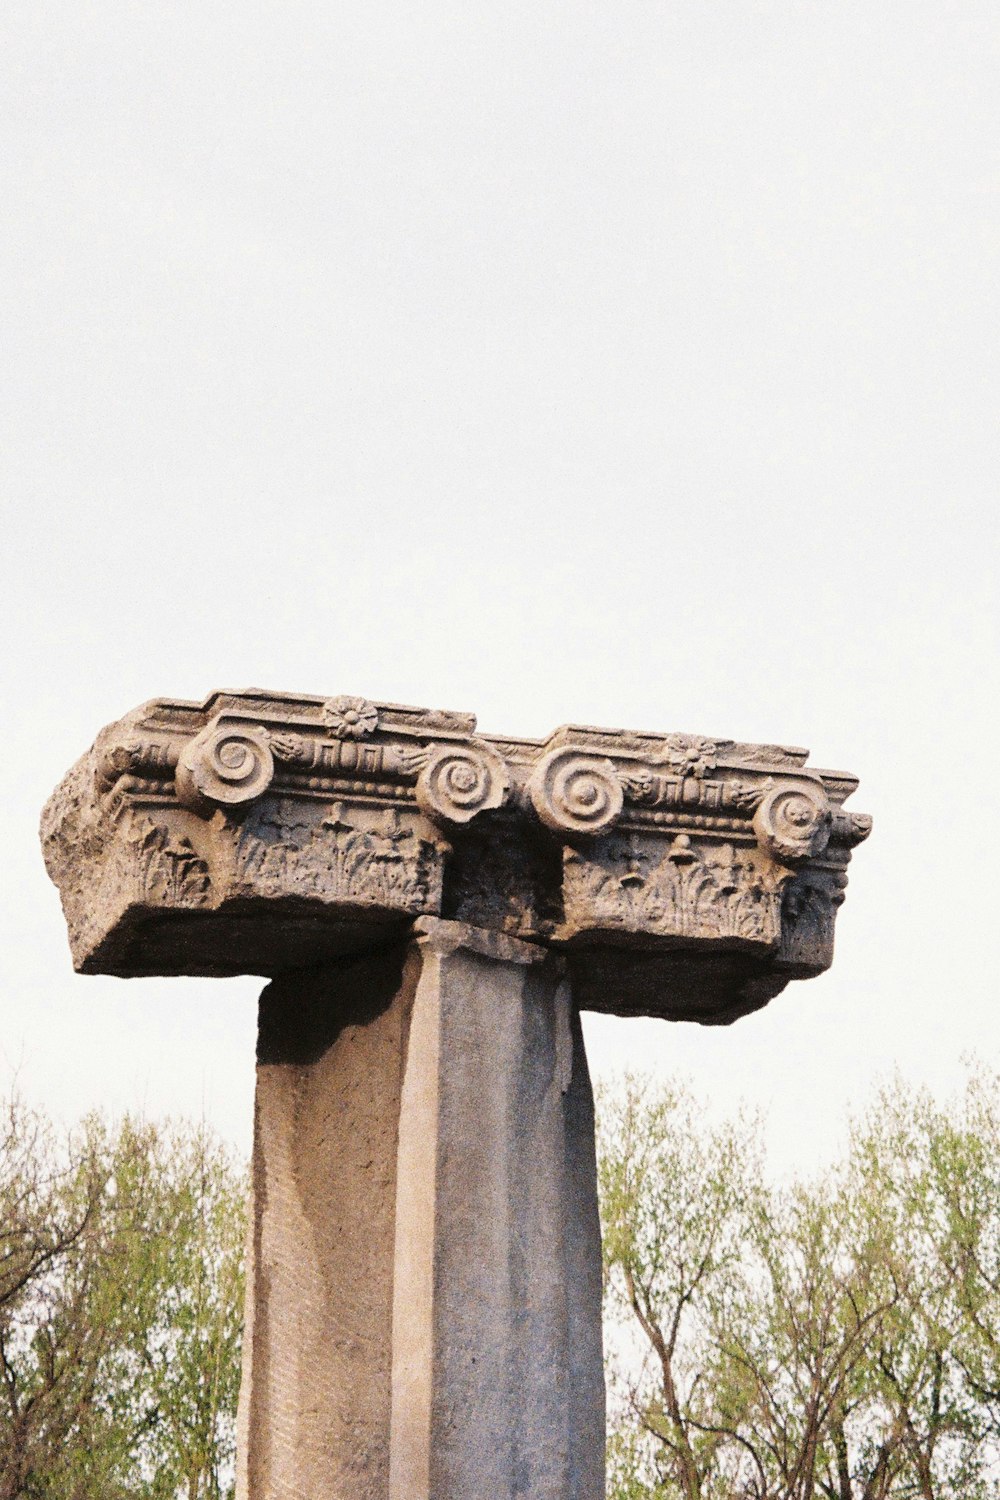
column 497, row 1373
column 317, row 1347
column 434, row 907
column 424, row 1279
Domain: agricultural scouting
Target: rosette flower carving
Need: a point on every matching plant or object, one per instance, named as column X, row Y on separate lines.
column 689, row 755
column 460, row 781
column 575, row 793
column 793, row 822
column 224, row 766
column 350, row 718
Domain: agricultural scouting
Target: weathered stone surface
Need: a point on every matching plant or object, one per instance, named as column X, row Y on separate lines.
column 423, row 1300
column 424, row 1278
column 497, row 1381
column 258, row 832
column 317, row 1349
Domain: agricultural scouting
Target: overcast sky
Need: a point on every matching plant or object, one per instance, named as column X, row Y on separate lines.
column 630, row 364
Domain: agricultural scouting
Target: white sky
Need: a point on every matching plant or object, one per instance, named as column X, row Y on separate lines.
column 632, row 364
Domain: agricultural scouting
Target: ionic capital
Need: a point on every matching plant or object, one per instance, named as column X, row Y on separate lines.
column 258, row 831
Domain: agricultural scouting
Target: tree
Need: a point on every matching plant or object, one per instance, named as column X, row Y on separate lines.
column 54, row 1245
column 838, row 1337
column 675, row 1202
column 802, row 1340
column 120, row 1311
column 185, row 1348
column 919, row 1414
column 965, row 1171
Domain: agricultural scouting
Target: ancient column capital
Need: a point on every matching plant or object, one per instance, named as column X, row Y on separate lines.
column 258, row 832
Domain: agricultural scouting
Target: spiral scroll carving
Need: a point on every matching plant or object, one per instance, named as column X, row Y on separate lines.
column 575, row 793
column 793, row 822
column 460, row 781
column 224, row 766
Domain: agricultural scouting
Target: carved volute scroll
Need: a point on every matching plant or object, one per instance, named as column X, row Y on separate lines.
column 227, row 765
column 260, row 831
column 793, row 822
column 460, row 781
column 575, row 793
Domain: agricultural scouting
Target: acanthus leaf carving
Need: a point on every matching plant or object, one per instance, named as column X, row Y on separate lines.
column 720, row 891
column 747, row 796
column 127, row 756
column 170, row 871
column 639, row 785
column 647, row 788
column 809, row 914
column 322, row 816
column 288, row 747
column 406, row 760
column 346, row 756
column 385, row 863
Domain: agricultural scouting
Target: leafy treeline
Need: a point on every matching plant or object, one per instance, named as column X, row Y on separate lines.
column 121, row 1267
column 832, row 1338
column 835, row 1338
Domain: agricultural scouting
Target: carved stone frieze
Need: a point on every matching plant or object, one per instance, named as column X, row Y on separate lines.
column 164, row 870
column 646, row 787
column 259, row 831
column 360, row 856
column 809, row 911
column 690, row 889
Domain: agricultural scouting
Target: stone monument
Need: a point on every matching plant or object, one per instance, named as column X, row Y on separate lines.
column 433, row 909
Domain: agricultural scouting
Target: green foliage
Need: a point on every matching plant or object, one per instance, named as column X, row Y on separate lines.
column 833, row 1338
column 121, row 1272
column 660, row 1165
column 838, row 1337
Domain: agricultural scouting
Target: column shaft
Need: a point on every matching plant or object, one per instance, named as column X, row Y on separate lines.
column 498, row 1385
column 424, row 1279
column 315, row 1396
